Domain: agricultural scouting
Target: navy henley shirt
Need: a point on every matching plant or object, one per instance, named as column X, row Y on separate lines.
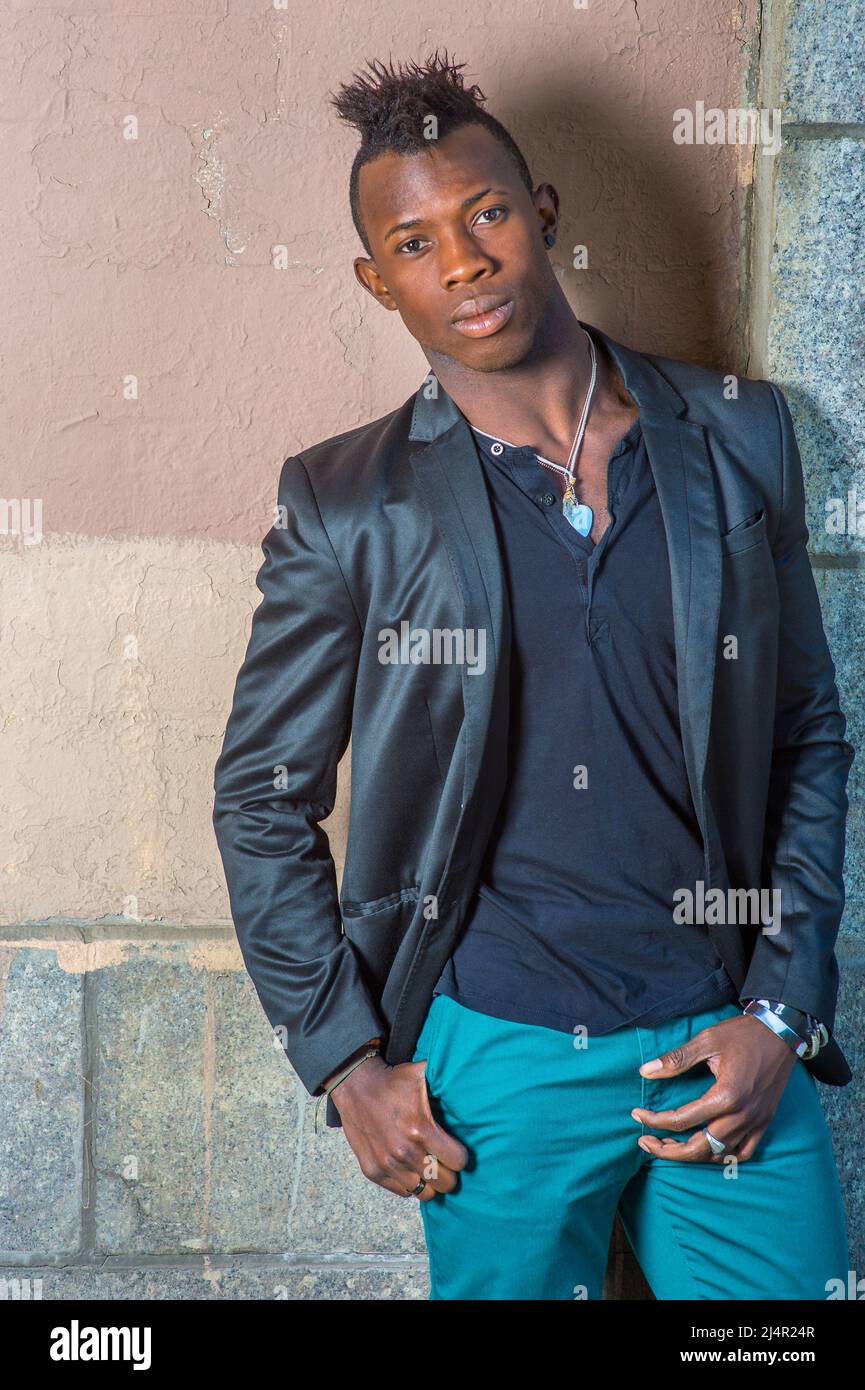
column 572, row 922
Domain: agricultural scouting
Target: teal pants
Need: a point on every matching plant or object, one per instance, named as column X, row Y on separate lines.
column 553, row 1155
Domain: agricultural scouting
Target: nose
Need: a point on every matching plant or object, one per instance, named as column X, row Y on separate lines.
column 463, row 260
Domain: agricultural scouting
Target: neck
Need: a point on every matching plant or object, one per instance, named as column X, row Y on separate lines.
column 538, row 401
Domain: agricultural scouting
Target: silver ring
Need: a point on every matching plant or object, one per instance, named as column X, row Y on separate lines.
column 716, row 1145
column 416, row 1191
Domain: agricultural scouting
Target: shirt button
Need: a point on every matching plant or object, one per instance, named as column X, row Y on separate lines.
column 497, row 449
column 548, row 499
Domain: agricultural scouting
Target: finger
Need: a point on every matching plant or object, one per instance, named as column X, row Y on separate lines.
column 697, row 1149
column 694, row 1150
column 433, row 1175
column 448, row 1150
column 399, row 1185
column 410, row 1162
column 709, row 1106
column 745, row 1149
column 704, row 1044
column 735, row 1148
column 439, row 1177
column 401, row 1170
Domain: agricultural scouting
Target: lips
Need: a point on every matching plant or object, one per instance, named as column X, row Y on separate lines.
column 479, row 317
column 478, row 305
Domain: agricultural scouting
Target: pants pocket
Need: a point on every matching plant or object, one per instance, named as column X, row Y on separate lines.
column 425, row 1051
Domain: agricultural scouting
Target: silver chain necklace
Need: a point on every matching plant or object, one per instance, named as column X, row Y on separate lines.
column 579, row 514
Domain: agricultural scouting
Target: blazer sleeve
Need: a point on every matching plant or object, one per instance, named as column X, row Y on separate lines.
column 805, row 830
column 275, row 781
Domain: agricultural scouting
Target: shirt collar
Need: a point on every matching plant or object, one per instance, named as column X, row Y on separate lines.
column 487, row 440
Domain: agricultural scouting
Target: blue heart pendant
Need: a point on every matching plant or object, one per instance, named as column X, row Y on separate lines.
column 579, row 514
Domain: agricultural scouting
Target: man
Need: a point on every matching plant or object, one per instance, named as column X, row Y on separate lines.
column 561, row 601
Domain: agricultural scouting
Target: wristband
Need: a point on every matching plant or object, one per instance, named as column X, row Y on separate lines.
column 370, row 1052
column 786, row 1022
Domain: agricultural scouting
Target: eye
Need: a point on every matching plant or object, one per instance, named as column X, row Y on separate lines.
column 413, row 241
column 488, row 212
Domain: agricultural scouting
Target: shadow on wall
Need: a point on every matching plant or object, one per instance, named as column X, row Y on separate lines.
column 656, row 229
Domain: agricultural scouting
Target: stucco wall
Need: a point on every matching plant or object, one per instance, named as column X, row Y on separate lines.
column 159, row 366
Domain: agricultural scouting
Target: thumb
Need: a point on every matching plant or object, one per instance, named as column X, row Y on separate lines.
column 678, row 1059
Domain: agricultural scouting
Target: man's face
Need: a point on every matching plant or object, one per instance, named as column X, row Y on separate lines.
column 475, row 241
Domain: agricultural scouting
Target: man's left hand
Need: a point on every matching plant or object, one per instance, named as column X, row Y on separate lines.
column 751, row 1065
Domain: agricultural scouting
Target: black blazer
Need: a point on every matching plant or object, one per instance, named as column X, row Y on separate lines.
column 391, row 522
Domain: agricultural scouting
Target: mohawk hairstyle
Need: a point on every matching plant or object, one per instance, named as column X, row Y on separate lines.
column 388, row 107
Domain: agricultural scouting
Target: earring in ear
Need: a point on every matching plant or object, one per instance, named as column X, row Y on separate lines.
column 549, row 238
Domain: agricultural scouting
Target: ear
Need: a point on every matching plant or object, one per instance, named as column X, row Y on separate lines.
column 366, row 273
column 546, row 201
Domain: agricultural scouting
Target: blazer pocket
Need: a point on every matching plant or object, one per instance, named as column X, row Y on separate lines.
column 376, row 930
column 745, row 535
column 351, row 908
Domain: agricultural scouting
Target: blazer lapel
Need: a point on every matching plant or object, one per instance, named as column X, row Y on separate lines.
column 685, row 485
column 451, row 480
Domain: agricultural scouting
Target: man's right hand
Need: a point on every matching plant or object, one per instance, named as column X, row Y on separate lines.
column 386, row 1115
